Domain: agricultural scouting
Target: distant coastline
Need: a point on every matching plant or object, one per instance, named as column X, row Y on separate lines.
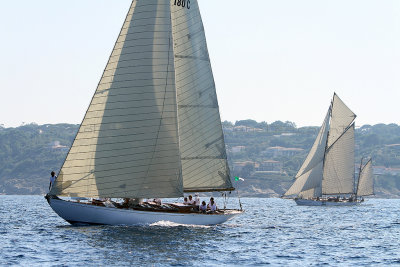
column 266, row 155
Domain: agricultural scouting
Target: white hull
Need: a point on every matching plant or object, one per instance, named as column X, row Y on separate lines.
column 310, row 202
column 79, row 213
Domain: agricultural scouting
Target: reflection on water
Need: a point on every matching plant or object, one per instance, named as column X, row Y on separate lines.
column 271, row 231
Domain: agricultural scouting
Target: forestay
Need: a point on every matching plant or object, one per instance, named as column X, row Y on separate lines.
column 127, row 145
column 202, row 146
column 366, row 183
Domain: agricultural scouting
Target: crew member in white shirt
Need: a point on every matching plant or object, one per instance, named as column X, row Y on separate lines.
column 212, row 205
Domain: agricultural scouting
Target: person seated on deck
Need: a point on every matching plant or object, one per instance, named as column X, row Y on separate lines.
column 203, row 207
column 191, row 200
column 131, row 202
column 211, row 200
column 185, row 201
column 157, row 201
column 212, row 206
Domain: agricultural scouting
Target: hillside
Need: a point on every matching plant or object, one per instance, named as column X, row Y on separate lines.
column 266, row 155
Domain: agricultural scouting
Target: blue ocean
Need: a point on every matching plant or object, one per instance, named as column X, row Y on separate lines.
column 273, row 232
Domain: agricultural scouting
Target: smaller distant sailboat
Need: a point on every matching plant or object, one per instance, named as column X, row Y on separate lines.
column 327, row 176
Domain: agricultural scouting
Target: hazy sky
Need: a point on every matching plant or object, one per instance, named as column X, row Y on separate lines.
column 272, row 60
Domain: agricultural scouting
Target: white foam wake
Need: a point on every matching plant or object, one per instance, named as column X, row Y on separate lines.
column 172, row 224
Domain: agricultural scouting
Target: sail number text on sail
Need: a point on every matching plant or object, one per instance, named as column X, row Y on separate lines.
column 182, row 3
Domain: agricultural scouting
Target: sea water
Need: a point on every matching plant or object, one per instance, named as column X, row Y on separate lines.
column 271, row 231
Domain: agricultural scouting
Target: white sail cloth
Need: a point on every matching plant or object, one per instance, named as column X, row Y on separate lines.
column 133, row 141
column 309, row 184
column 341, row 119
column 339, row 165
column 366, row 183
column 202, row 146
column 317, row 152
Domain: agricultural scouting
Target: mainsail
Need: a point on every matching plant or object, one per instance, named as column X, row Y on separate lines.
column 152, row 128
column 338, row 175
column 365, row 185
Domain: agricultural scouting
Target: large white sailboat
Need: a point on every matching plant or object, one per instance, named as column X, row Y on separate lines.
column 327, row 175
column 152, row 129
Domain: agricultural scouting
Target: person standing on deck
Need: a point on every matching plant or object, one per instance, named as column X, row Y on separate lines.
column 52, row 179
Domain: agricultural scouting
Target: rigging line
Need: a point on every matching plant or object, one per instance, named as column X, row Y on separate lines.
column 66, row 157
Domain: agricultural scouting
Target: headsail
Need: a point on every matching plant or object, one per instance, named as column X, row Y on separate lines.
column 317, row 152
column 339, row 165
column 308, row 184
column 309, row 177
column 365, row 185
column 202, row 146
column 127, row 145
